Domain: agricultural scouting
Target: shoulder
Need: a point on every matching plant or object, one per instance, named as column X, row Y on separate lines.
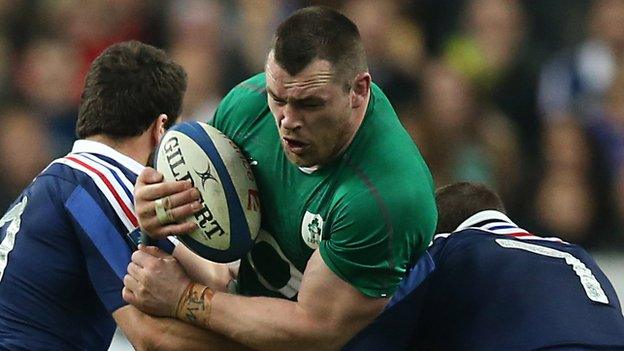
column 380, row 97
column 95, row 183
column 87, row 170
column 252, row 88
column 383, row 144
column 475, row 247
column 403, row 196
column 57, row 185
column 57, row 180
column 44, row 198
column 368, row 209
column 243, row 103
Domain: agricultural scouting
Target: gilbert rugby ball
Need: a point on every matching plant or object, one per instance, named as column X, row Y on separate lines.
column 230, row 218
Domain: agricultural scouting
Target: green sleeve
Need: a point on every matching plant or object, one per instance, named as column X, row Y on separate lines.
column 360, row 249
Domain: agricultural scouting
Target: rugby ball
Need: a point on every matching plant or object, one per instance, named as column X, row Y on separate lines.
column 229, row 220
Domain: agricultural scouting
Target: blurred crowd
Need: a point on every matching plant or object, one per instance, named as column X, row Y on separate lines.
column 526, row 96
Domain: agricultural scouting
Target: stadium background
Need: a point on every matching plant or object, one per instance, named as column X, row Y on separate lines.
column 526, row 96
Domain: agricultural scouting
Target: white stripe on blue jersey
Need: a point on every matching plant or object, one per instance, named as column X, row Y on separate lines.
column 120, row 175
column 94, row 147
column 84, row 158
column 108, row 193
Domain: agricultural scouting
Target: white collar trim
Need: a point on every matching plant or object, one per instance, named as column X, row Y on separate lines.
column 96, row 147
column 482, row 216
column 308, row 170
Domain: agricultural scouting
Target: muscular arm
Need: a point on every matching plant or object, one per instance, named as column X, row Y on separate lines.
column 152, row 333
column 329, row 311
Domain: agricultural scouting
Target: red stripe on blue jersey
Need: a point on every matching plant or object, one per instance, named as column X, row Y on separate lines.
column 110, row 187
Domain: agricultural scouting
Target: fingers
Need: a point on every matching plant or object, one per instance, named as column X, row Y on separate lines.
column 178, row 206
column 157, row 231
column 130, row 283
column 128, row 295
column 154, row 281
column 179, row 201
column 134, row 271
column 184, row 211
column 183, row 198
column 141, row 259
column 153, row 191
column 149, row 176
column 155, row 251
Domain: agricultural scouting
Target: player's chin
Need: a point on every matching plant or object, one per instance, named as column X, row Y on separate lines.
column 301, row 159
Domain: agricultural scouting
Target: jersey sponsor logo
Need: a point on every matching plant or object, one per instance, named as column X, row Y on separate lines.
column 312, row 229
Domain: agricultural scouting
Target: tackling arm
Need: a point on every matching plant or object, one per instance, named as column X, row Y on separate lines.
column 328, row 313
column 152, row 333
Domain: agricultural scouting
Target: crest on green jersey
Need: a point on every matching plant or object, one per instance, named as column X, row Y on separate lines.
column 312, row 229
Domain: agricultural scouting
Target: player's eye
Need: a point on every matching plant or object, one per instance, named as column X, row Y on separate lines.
column 311, row 105
column 278, row 102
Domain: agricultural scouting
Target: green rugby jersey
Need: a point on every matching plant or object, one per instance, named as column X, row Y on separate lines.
column 371, row 212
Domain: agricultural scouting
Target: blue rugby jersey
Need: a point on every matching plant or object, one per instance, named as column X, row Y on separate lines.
column 64, row 250
column 491, row 285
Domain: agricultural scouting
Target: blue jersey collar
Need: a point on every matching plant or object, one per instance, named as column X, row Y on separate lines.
column 94, row 147
column 486, row 219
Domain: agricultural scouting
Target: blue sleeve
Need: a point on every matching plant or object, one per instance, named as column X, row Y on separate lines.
column 105, row 251
column 414, row 279
column 394, row 328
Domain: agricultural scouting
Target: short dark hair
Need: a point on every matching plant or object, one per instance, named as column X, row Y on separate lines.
column 127, row 87
column 319, row 32
column 458, row 201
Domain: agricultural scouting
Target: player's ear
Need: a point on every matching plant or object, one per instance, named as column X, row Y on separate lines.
column 158, row 128
column 360, row 88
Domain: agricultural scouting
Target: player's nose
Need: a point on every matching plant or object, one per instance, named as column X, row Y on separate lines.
column 289, row 118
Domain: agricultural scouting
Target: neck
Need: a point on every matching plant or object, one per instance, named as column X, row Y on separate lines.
column 137, row 148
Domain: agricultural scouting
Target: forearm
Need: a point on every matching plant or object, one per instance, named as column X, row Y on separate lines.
column 327, row 313
column 261, row 322
column 177, row 335
column 152, row 333
column 271, row 323
column 215, row 275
